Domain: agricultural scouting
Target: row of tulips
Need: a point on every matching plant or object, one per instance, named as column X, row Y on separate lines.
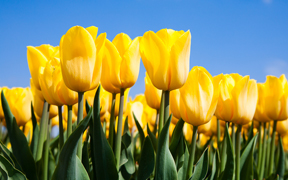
column 182, row 118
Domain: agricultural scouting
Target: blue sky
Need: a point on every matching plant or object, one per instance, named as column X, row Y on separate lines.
column 245, row 37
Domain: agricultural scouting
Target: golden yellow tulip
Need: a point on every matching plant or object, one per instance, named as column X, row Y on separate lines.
column 152, row 94
column 237, row 99
column 199, row 97
column 175, row 103
column 187, row 131
column 205, row 129
column 81, row 69
column 37, row 58
column 19, row 100
column 137, row 109
column 166, row 56
column 282, row 127
column 105, row 117
column 260, row 114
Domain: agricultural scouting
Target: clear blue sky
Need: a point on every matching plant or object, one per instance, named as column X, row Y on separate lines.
column 245, row 37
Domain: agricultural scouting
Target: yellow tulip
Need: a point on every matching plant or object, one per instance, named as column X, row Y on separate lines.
column 187, row 131
column 19, row 100
column 282, row 127
column 117, row 101
column 260, row 114
column 1, row 109
column 37, row 58
column 171, row 129
column 65, row 114
column 276, row 97
column 152, row 94
column 175, row 103
column 205, row 129
column 81, row 69
column 198, row 97
column 123, row 57
column 137, row 109
column 166, row 56
column 105, row 117
column 237, row 99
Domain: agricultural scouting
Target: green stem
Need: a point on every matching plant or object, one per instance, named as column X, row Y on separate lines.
column 260, row 147
column 43, row 130
column 112, row 120
column 233, row 136
column 166, row 106
column 119, row 129
column 218, row 134
column 192, row 153
column 69, row 121
column 104, row 127
column 263, row 156
column 61, row 134
column 156, row 123
column 23, row 129
column 268, row 150
column 46, row 152
column 161, row 113
column 79, row 119
column 238, row 147
column 271, row 161
column 223, row 151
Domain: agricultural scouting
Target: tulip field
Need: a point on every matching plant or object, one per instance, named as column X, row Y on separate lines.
column 188, row 124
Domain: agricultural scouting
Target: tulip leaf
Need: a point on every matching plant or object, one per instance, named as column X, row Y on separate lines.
column 140, row 130
column 103, row 160
column 85, row 156
column 179, row 159
column 128, row 167
column 18, row 142
column 201, row 167
column 215, row 166
column 87, row 107
column 8, row 171
column 230, row 165
column 246, row 161
column 281, row 164
column 9, row 156
column 51, row 165
column 147, row 160
column 152, row 138
column 182, row 172
column 36, row 129
column 165, row 165
column 176, row 136
column 69, row 165
column 126, row 127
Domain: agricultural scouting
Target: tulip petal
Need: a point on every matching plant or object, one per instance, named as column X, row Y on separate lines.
column 93, row 31
column 122, row 42
column 169, row 37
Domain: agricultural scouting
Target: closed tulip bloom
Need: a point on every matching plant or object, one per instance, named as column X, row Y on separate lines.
column 187, row 131
column 199, row 97
column 19, row 100
column 237, row 99
column 175, row 103
column 123, row 56
column 166, row 56
column 205, row 129
column 117, row 101
column 37, row 58
column 276, row 96
column 282, row 127
column 81, row 69
column 152, row 94
column 137, row 109
column 1, row 109
column 260, row 113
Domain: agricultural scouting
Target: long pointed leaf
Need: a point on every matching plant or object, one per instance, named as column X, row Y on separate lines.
column 201, row 167
column 182, row 172
column 140, row 130
column 36, row 129
column 152, row 138
column 176, row 136
column 147, row 160
column 8, row 171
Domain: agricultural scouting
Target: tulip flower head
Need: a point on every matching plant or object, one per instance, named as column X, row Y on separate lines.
column 152, row 94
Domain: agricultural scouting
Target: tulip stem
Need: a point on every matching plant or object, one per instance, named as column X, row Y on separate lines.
column 238, row 147
column 233, row 136
column 161, row 112
column 260, row 147
column 43, row 130
column 192, row 153
column 223, row 151
column 263, row 156
column 112, row 119
column 272, row 151
column 61, row 134
column 104, row 126
column 69, row 121
column 156, row 123
column 119, row 129
column 166, row 106
column 46, row 152
column 218, row 134
column 79, row 119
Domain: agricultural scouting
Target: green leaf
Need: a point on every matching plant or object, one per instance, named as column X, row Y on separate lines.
column 9, row 156
column 215, row 166
column 103, row 160
column 87, row 107
column 281, row 164
column 165, row 165
column 36, row 129
column 176, row 136
column 85, row 156
column 230, row 162
column 126, row 127
column 179, row 159
column 51, row 165
column 147, row 160
column 18, row 142
column 140, row 130
column 128, row 167
column 8, row 171
column 152, row 138
column 70, row 166
column 246, row 160
column 201, row 167
column 182, row 172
